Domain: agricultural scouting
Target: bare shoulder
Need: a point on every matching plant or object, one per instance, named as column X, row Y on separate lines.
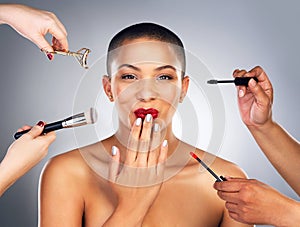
column 69, row 166
column 219, row 165
column 227, row 168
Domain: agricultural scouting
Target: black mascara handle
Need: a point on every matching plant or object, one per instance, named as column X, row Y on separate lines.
column 243, row 81
column 47, row 128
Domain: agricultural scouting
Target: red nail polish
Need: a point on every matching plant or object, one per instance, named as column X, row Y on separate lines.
column 49, row 56
column 41, row 123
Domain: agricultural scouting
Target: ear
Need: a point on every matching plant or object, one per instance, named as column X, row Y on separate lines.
column 106, row 83
column 184, row 88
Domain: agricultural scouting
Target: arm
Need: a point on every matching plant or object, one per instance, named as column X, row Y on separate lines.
column 250, row 201
column 23, row 154
column 255, row 104
column 34, row 24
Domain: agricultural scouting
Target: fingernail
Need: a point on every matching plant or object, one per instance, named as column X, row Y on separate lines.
column 50, row 56
column 114, row 150
column 41, row 123
column 156, row 127
column 241, row 93
column 148, row 118
column 138, row 121
column 252, row 82
column 165, row 143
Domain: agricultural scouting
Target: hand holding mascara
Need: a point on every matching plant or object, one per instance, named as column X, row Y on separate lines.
column 238, row 81
column 88, row 117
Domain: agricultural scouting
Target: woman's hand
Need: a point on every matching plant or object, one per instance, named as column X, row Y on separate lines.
column 253, row 202
column 34, row 24
column 138, row 181
column 255, row 101
column 23, row 154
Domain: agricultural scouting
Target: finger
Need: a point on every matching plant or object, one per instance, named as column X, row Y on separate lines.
column 133, row 142
column 144, row 143
column 234, row 216
column 154, row 145
column 162, row 157
column 49, row 137
column 260, row 96
column 58, row 31
column 232, row 197
column 231, row 207
column 163, row 152
column 231, row 185
column 36, row 130
column 25, row 127
column 59, row 24
column 114, row 164
column 63, row 44
column 241, row 90
column 259, row 73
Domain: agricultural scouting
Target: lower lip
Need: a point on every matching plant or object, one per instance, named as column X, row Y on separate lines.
column 142, row 114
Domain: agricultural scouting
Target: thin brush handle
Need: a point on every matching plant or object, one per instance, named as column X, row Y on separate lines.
column 221, row 178
column 47, row 128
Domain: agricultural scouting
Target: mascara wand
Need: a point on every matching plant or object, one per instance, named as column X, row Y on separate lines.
column 238, row 81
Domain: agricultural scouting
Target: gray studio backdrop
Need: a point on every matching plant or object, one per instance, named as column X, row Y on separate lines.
column 224, row 35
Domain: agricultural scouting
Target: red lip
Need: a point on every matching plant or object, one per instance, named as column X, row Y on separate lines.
column 141, row 112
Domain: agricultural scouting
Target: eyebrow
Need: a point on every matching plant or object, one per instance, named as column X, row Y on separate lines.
column 138, row 69
column 129, row 66
column 165, row 67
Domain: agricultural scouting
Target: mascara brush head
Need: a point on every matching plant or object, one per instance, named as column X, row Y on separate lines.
column 212, row 81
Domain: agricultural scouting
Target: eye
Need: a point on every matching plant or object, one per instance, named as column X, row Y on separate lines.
column 164, row 77
column 128, row 77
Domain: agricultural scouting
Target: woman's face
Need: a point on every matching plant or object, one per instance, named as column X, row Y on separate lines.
column 146, row 78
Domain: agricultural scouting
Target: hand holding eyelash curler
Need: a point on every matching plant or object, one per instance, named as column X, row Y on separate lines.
column 81, row 55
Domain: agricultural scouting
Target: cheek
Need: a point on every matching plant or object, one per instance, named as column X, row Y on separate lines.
column 170, row 94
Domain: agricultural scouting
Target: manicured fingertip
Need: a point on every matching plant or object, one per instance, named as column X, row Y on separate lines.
column 138, row 121
column 165, row 143
column 241, row 92
column 50, row 56
column 252, row 83
column 114, row 151
column 41, row 124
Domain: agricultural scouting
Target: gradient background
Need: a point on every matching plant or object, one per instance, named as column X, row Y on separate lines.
column 224, row 34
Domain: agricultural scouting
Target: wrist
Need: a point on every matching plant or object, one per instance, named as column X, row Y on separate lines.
column 290, row 214
column 264, row 128
column 8, row 12
column 5, row 181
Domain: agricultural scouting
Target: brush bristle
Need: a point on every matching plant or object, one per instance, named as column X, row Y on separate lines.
column 91, row 116
column 212, row 81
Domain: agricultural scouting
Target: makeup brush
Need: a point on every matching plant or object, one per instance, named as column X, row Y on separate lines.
column 221, row 178
column 88, row 117
column 238, row 81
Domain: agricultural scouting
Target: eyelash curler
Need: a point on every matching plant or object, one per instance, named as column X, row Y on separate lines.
column 81, row 55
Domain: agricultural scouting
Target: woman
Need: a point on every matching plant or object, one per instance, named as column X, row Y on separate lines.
column 146, row 176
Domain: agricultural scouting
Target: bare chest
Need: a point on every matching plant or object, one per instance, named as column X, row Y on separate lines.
column 177, row 204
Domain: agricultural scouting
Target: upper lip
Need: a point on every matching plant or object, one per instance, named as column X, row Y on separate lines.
column 142, row 112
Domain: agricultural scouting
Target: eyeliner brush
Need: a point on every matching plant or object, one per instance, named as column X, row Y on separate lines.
column 238, row 81
column 221, row 178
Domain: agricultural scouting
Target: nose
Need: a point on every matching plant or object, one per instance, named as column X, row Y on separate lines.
column 147, row 90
